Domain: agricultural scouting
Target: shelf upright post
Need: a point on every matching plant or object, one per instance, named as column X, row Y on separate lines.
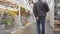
column 20, row 24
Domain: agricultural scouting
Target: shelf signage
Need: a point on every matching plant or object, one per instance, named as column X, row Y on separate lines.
column 7, row 7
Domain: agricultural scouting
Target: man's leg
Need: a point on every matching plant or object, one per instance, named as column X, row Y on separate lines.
column 43, row 25
column 38, row 26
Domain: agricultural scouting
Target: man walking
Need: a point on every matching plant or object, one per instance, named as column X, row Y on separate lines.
column 40, row 9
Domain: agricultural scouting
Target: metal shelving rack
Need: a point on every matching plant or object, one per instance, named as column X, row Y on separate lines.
column 57, row 15
column 27, row 29
column 8, row 5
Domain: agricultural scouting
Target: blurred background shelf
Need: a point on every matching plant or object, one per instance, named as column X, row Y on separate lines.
column 25, row 26
column 56, row 29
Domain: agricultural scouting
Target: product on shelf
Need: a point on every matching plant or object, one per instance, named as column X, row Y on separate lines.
column 30, row 1
column 0, row 16
column 8, row 16
column 14, row 13
column 57, row 26
column 24, row 16
column 9, row 3
column 57, row 21
column 7, row 20
column 57, row 14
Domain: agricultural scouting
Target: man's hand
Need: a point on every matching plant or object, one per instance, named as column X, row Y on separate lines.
column 37, row 18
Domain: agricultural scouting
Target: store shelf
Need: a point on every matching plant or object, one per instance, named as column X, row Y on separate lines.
column 57, row 23
column 11, row 7
column 12, row 30
column 24, row 6
column 26, row 26
column 56, row 29
column 9, row 3
column 18, row 30
column 5, row 2
column 57, row 18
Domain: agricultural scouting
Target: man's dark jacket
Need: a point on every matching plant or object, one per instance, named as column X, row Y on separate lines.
column 40, row 9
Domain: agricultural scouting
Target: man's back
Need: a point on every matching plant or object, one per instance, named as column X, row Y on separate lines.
column 40, row 8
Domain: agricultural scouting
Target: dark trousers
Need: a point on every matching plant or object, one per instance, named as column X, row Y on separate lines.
column 41, row 21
